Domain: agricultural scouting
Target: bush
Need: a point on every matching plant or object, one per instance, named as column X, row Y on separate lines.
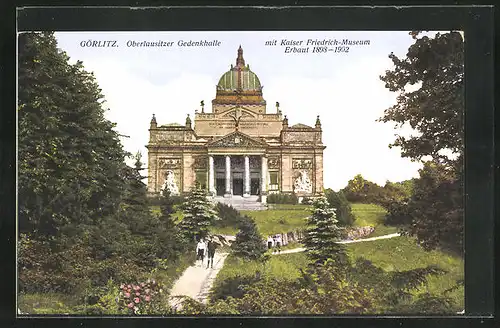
column 307, row 201
column 229, row 216
column 282, row 199
column 248, row 243
column 343, row 210
column 158, row 201
column 232, row 287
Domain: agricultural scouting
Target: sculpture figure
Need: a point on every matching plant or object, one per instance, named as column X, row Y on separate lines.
column 170, row 184
column 303, row 183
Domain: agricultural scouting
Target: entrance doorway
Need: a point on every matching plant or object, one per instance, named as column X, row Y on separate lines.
column 220, row 186
column 254, row 186
column 237, row 186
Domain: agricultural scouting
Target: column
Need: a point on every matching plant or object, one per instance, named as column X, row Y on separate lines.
column 263, row 183
column 228, row 177
column 211, row 176
column 247, row 177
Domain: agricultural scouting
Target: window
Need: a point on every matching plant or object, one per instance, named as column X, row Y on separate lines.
column 201, row 178
column 273, row 180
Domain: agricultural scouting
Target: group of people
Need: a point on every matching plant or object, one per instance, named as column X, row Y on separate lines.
column 274, row 243
column 206, row 249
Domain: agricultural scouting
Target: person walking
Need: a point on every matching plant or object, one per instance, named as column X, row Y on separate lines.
column 200, row 251
column 211, row 246
column 278, row 243
column 270, row 242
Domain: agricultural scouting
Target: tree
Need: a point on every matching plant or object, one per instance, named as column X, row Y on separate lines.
column 199, row 214
column 322, row 235
column 359, row 189
column 248, row 243
column 435, row 111
column 343, row 210
column 436, row 208
column 73, row 182
column 70, row 158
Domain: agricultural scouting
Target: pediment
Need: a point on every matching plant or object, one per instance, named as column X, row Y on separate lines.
column 237, row 139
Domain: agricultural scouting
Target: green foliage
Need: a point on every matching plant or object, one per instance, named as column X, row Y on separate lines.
column 280, row 219
column 70, row 158
column 436, row 109
column 436, row 208
column 434, row 212
column 158, row 200
column 229, row 216
column 343, row 210
column 398, row 291
column 248, row 243
column 282, row 199
column 199, row 215
column 403, row 254
column 372, row 215
column 322, row 235
column 322, row 291
column 142, row 298
column 307, row 201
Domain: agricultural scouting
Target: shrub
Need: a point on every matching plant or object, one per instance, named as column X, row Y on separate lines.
column 343, row 210
column 143, row 298
column 232, row 287
column 158, row 201
column 248, row 243
column 282, row 199
column 307, row 201
column 229, row 216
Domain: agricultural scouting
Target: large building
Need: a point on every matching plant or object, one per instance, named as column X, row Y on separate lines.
column 239, row 148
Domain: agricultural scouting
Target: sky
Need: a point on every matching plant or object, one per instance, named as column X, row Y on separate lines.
column 344, row 88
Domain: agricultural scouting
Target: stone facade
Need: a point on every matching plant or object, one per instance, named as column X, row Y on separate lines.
column 238, row 149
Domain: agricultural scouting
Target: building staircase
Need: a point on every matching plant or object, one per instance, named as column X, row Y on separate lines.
column 250, row 203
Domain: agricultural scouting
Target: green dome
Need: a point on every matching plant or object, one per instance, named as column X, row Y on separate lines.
column 239, row 77
column 230, row 80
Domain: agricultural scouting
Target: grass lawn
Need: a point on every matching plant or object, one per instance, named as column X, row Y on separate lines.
column 284, row 266
column 403, row 253
column 372, row 215
column 280, row 220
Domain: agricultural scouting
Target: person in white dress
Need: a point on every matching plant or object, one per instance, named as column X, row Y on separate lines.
column 278, row 243
column 201, row 248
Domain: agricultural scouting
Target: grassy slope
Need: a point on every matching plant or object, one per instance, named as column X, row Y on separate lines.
column 372, row 215
column 284, row 267
column 402, row 253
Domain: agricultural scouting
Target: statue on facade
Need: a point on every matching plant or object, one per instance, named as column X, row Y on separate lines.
column 170, row 184
column 302, row 183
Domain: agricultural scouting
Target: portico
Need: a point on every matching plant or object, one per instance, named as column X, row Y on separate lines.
column 237, row 175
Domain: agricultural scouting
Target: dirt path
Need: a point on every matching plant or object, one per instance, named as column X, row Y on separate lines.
column 301, row 249
column 196, row 281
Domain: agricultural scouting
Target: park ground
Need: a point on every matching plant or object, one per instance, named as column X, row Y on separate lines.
column 399, row 253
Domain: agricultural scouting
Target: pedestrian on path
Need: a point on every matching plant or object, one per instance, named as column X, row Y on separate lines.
column 270, row 242
column 278, row 243
column 200, row 251
column 211, row 246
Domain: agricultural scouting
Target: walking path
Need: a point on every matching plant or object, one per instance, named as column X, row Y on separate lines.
column 301, row 249
column 196, row 281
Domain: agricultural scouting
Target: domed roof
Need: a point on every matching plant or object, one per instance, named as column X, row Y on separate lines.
column 239, row 77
